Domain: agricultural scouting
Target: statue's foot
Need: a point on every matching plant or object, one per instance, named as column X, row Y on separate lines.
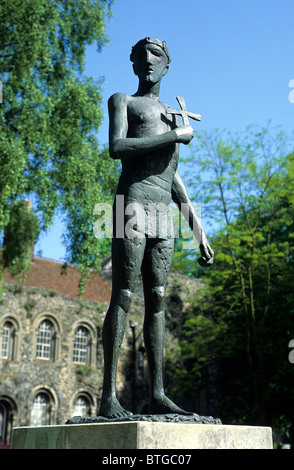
column 163, row 405
column 111, row 408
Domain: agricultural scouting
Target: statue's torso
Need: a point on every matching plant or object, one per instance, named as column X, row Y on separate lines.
column 148, row 178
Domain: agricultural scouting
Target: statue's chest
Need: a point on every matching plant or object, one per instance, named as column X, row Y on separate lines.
column 148, row 117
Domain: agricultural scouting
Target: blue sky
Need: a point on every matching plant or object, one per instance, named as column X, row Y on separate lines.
column 232, row 60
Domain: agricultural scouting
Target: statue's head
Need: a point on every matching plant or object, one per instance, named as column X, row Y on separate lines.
column 148, row 40
column 150, row 59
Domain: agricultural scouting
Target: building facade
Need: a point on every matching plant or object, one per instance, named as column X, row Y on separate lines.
column 51, row 354
column 50, row 346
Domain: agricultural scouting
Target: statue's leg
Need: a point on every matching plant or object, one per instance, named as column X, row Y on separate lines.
column 127, row 256
column 155, row 270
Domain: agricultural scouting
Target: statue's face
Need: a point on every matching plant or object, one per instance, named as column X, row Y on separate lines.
column 150, row 63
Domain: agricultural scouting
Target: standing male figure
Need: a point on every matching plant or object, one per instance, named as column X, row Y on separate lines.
column 146, row 138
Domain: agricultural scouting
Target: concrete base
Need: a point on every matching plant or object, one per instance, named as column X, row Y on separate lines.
column 142, row 435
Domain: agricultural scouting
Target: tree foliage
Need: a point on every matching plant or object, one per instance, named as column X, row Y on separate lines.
column 247, row 307
column 49, row 151
column 20, row 236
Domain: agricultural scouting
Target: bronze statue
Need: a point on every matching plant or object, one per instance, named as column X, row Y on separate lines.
column 145, row 135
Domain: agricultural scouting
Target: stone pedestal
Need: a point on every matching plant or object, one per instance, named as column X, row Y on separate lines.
column 142, row 435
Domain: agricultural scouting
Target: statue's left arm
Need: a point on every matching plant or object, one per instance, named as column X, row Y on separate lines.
column 182, row 200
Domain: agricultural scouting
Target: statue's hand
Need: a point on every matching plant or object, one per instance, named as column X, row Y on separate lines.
column 184, row 134
column 207, row 257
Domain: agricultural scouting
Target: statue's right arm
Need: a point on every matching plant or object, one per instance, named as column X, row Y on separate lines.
column 121, row 146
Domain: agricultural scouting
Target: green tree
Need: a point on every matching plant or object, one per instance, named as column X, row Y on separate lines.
column 49, row 118
column 20, row 236
column 247, row 309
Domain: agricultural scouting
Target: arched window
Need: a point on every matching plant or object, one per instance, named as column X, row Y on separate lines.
column 83, row 404
column 9, row 339
column 44, row 340
column 82, row 346
column 81, row 407
column 7, row 419
column 47, row 338
column 84, row 343
column 43, row 408
column 40, row 410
